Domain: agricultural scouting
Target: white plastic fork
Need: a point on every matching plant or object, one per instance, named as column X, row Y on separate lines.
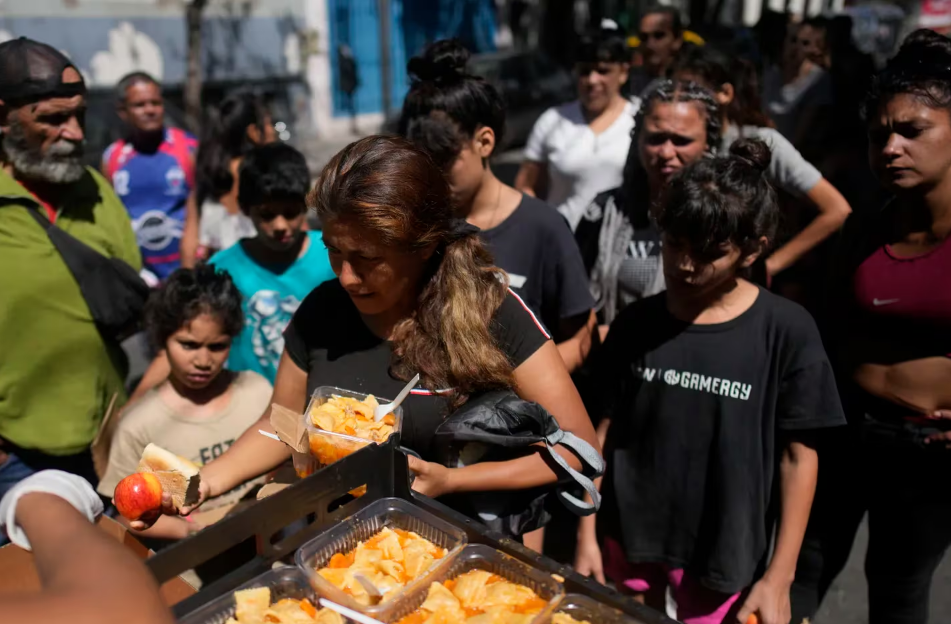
column 372, row 590
column 383, row 410
column 348, row 613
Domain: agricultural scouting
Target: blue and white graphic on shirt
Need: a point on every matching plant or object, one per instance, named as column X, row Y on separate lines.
column 270, row 300
column 266, row 316
column 154, row 189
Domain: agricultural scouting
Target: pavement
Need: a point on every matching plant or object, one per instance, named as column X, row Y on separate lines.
column 847, row 601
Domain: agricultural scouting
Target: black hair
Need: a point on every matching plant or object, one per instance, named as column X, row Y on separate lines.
column 603, row 45
column 225, row 137
column 727, row 199
column 715, row 68
column 676, row 22
column 189, row 293
column 817, row 22
column 134, row 78
column 446, row 104
column 921, row 68
column 271, row 173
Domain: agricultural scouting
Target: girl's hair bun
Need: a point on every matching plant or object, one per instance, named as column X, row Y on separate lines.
column 752, row 152
column 443, row 61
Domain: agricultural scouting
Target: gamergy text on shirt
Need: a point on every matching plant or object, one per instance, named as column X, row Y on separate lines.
column 696, row 381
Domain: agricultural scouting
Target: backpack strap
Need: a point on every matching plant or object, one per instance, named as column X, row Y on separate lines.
column 590, row 459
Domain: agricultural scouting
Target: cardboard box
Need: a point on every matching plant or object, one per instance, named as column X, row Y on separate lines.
column 18, row 574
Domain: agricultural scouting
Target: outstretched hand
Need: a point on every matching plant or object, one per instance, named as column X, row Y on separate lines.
column 168, row 508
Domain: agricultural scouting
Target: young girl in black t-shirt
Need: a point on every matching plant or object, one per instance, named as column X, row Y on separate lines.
column 710, row 387
column 459, row 120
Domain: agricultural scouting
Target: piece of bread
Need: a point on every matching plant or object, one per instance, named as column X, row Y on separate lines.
column 178, row 476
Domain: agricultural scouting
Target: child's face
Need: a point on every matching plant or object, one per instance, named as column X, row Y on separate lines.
column 280, row 224
column 197, row 351
column 693, row 277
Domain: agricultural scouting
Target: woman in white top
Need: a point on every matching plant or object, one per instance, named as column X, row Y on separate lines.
column 578, row 150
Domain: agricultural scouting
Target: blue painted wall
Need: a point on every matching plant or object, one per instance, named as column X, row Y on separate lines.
column 414, row 24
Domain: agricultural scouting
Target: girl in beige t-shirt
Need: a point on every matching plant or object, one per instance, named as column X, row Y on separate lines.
column 202, row 408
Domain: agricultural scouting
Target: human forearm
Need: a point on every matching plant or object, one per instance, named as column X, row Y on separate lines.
column 168, row 528
column 798, row 472
column 833, row 211
column 821, row 228
column 117, row 589
column 574, row 350
column 250, row 456
column 515, row 474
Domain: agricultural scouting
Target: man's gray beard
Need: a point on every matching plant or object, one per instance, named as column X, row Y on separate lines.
column 62, row 164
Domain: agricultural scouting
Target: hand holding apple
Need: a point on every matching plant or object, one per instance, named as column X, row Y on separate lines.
column 138, row 494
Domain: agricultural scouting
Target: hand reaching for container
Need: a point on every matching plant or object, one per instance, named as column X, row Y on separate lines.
column 432, row 480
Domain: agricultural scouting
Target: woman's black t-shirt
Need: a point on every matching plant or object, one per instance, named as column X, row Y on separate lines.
column 695, row 415
column 328, row 339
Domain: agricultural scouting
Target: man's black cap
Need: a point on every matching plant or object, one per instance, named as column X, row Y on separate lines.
column 31, row 71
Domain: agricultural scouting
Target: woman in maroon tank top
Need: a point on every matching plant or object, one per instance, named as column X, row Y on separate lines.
column 892, row 340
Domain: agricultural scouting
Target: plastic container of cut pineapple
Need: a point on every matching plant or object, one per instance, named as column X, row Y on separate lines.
column 327, row 446
column 392, row 513
column 481, row 557
column 286, row 582
column 584, row 609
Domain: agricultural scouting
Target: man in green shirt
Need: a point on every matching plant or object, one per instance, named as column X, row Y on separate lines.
column 57, row 373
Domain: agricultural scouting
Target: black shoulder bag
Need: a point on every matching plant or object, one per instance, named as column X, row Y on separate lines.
column 497, row 426
column 114, row 292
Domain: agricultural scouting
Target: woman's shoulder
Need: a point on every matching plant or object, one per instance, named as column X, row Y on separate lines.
column 569, row 112
column 517, row 330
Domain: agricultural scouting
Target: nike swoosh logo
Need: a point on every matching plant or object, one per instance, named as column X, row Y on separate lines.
column 881, row 302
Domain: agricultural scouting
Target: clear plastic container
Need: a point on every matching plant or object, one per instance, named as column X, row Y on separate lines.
column 286, row 582
column 481, row 557
column 584, row 609
column 326, row 446
column 394, row 513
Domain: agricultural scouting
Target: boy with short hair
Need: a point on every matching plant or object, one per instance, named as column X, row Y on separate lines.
column 276, row 269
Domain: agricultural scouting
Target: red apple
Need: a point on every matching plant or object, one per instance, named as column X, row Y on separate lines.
column 137, row 494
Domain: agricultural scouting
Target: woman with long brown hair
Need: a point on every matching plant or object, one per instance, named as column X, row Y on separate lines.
column 416, row 292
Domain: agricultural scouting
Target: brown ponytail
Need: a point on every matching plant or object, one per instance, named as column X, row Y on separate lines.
column 387, row 185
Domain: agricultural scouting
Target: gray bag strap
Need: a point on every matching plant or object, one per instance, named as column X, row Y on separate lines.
column 590, row 458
